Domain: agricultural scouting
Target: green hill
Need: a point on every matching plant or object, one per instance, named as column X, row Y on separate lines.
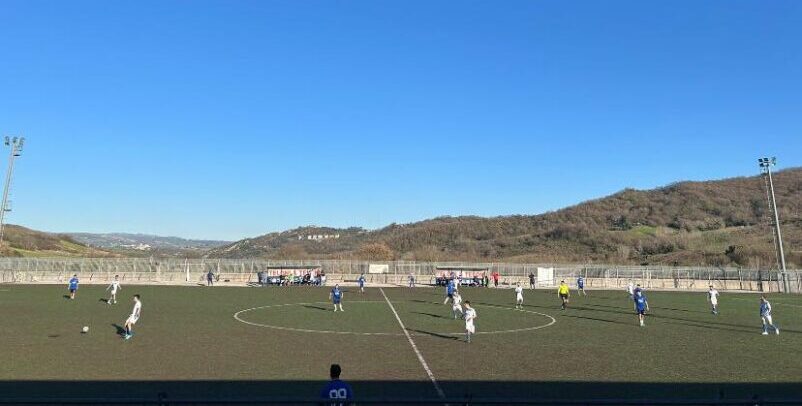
column 24, row 242
column 723, row 222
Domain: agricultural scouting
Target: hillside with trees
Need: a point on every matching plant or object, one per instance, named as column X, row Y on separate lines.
column 23, row 242
column 723, row 222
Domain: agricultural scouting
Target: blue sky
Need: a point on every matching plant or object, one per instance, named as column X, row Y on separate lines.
column 231, row 119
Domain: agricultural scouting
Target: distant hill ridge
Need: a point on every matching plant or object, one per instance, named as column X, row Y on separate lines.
column 128, row 240
column 24, row 242
column 722, row 222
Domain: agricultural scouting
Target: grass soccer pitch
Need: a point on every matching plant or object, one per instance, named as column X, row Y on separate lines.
column 228, row 343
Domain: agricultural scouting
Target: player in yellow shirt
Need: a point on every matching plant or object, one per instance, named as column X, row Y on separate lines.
column 564, row 293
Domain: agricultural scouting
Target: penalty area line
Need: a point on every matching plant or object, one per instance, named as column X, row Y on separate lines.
column 415, row 348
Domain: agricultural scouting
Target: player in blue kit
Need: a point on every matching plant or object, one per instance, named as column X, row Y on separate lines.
column 73, row 286
column 641, row 306
column 361, row 282
column 580, row 285
column 336, row 297
column 450, row 288
column 337, row 392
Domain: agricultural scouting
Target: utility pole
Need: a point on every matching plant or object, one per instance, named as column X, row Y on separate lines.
column 16, row 144
column 765, row 166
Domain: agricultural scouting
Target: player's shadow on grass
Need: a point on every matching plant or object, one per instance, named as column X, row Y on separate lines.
column 718, row 325
column 426, row 302
column 619, row 311
column 103, row 300
column 120, row 329
column 436, row 335
column 66, row 296
column 597, row 319
column 555, row 307
column 316, row 307
column 431, row 315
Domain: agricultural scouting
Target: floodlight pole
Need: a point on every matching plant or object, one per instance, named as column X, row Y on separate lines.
column 16, row 150
column 765, row 165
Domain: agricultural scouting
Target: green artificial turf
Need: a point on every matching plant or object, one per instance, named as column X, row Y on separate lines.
column 188, row 343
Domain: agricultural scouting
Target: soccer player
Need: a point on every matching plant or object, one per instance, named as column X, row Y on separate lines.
column 133, row 318
column 336, row 391
column 456, row 306
column 641, row 306
column 470, row 316
column 210, row 278
column 580, row 285
column 531, row 280
column 73, row 286
column 449, row 291
column 765, row 316
column 519, row 296
column 336, row 297
column 411, row 280
column 114, row 287
column 563, row 292
column 361, row 282
column 712, row 297
column 630, row 289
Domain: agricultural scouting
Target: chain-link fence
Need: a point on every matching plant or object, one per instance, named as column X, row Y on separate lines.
column 152, row 270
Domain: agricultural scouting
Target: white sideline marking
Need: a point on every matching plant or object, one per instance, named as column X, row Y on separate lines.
column 415, row 348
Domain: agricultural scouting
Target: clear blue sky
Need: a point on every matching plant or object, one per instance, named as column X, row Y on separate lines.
column 230, row 119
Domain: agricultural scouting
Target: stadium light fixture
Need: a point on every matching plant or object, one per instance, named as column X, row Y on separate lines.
column 765, row 165
column 16, row 144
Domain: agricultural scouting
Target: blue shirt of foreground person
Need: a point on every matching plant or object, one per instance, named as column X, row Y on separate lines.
column 336, row 391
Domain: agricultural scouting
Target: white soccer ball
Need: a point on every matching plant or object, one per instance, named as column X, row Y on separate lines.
column 85, row 329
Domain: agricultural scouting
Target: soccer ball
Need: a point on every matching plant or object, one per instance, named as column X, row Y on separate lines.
column 85, row 329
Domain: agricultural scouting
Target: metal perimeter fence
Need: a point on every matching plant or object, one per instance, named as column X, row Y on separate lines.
column 174, row 270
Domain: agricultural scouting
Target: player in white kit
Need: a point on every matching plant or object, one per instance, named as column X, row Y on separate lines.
column 133, row 318
column 631, row 289
column 456, row 305
column 470, row 316
column 113, row 288
column 519, row 297
column 712, row 297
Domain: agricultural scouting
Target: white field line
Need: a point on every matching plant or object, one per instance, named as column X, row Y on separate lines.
column 415, row 348
column 772, row 303
column 238, row 317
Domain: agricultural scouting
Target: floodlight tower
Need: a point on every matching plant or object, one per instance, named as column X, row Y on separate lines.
column 16, row 144
column 765, row 167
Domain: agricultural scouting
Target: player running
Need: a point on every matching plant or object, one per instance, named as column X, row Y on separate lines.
column 456, row 306
column 336, row 297
column 641, row 306
column 712, row 297
column 133, row 318
column 631, row 289
column 73, row 286
column 361, row 281
column 580, row 286
column 470, row 316
column 765, row 316
column 336, row 391
column 450, row 289
column 114, row 287
column 519, row 296
column 563, row 292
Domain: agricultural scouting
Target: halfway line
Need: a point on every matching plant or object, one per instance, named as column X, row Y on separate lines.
column 415, row 348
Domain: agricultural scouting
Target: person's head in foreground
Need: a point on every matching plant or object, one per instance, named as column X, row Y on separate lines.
column 335, row 371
